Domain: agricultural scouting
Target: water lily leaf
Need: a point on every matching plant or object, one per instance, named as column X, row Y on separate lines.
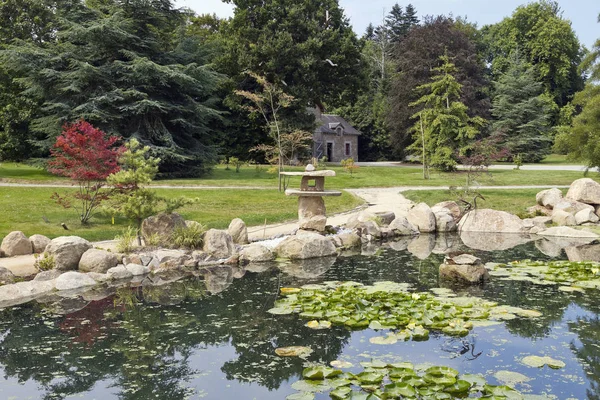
column 293, row 351
column 461, row 386
column 369, row 377
column 511, row 378
column 373, row 364
column 280, row 310
column 389, row 339
column 311, row 386
column 419, row 333
column 301, row 396
column 285, row 291
column 401, row 372
column 399, row 389
column 504, row 392
column 319, row 373
column 340, row 393
column 341, row 364
column 314, row 324
column 474, row 379
column 538, row 362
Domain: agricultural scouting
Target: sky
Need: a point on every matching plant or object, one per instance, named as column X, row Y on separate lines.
column 582, row 13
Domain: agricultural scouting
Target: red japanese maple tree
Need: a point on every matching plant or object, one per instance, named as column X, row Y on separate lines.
column 87, row 156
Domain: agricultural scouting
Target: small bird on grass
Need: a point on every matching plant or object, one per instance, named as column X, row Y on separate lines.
column 64, row 226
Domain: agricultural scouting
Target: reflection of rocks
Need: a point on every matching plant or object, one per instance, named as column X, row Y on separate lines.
column 260, row 267
column 548, row 248
column 446, row 244
column 400, row 244
column 22, row 292
column 218, row 279
column 488, row 241
column 307, row 269
column 67, row 305
column 422, row 246
column 584, row 253
column 565, row 231
column 369, row 249
column 564, row 242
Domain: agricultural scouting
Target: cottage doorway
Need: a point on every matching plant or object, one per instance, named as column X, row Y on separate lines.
column 329, row 151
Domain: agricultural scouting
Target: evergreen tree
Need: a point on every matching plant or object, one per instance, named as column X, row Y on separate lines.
column 442, row 128
column 521, row 111
column 410, row 17
column 394, row 23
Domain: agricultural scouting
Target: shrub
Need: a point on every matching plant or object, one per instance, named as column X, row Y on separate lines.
column 190, row 237
column 126, row 239
column 349, row 165
column 45, row 262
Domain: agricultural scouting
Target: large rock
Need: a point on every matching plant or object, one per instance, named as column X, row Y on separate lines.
column 67, row 251
column 238, row 231
column 586, row 215
column 22, row 292
column 539, row 210
column 572, row 206
column 584, row 190
column 356, row 221
column 464, row 273
column 95, row 260
column 16, row 244
column 385, row 217
column 589, row 252
column 401, row 227
column 39, row 243
column 162, row 225
column 452, row 207
column 73, row 280
column 6, row 276
column 305, row 246
column 349, row 240
column 565, row 231
column 218, row 243
column 549, row 198
column 444, row 220
column 256, row 252
column 487, row 220
column 563, row 218
column 119, row 272
column 422, row 217
column 311, row 213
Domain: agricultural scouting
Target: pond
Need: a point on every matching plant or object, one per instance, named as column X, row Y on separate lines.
column 211, row 336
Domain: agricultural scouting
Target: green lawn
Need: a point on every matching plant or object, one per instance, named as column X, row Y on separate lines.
column 365, row 177
column 24, row 209
column 515, row 201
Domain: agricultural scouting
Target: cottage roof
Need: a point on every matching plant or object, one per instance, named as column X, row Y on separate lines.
column 330, row 122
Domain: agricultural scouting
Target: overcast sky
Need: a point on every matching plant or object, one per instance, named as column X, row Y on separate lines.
column 582, row 13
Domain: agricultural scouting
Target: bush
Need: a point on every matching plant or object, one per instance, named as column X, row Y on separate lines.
column 126, row 239
column 191, row 237
column 45, row 262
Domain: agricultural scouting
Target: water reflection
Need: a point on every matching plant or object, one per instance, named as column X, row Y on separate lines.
column 210, row 335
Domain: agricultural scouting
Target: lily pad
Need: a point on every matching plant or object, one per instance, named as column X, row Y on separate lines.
column 301, row 396
column 293, row 351
column 341, row 364
column 511, row 378
column 340, row 393
column 319, row 373
column 389, row 339
column 318, row 324
column 399, row 390
column 539, row 362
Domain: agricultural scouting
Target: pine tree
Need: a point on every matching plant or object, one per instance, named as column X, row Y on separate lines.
column 522, row 111
column 442, row 129
column 394, row 23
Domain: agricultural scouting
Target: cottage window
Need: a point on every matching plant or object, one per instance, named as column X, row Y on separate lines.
column 348, row 149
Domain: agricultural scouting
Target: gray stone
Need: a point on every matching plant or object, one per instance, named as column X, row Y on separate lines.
column 541, row 221
column 584, row 190
column 255, row 252
column 422, row 218
column 164, row 255
column 349, row 240
column 312, row 213
column 47, row 275
column 422, row 246
column 73, row 280
column 549, row 198
column 305, row 246
column 238, row 231
column 487, row 220
column 355, row 221
column 137, row 269
column 535, row 230
column 22, row 292
column 401, row 227
column 452, row 207
column 6, row 276
column 163, row 225
column 307, row 269
column 466, row 274
column 590, row 252
column 385, row 217
column 563, row 218
column 539, row 210
column 95, row 260
column 16, row 244
column 400, row 244
column 369, row 228
column 465, row 259
column 586, row 215
column 218, row 243
column 98, row 277
column 67, row 251
column 572, row 206
column 444, row 220
column 549, row 248
column 39, row 243
column 565, row 231
column 119, row 272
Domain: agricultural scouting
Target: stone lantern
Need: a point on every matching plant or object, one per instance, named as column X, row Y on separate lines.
column 311, row 206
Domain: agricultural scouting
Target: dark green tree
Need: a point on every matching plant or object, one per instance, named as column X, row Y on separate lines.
column 398, row 22
column 522, row 111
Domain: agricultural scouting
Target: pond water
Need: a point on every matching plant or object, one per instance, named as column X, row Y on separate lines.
column 180, row 341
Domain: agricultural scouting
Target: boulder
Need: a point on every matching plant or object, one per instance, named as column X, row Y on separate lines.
column 586, row 215
column 401, row 227
column 465, row 259
column 452, row 207
column 238, row 231
column 369, row 229
column 444, row 220
column 384, row 218
column 563, row 218
column 349, row 240
column 466, row 274
column 16, row 244
column 541, row 221
column 311, row 213
column 95, row 260
column 590, row 252
column 539, row 210
column 422, row 217
column 164, row 255
column 355, row 221
column 256, row 252
column 47, row 275
column 6, row 276
column 549, row 198
column 162, row 225
column 584, row 190
column 73, row 280
column 22, row 292
column 218, row 243
column 487, row 220
column 39, row 243
column 67, row 251
column 305, row 246
column 565, row 231
column 549, row 248
column 572, row 206
column 119, row 272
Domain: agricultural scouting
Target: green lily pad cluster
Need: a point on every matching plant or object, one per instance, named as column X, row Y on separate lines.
column 379, row 380
column 572, row 275
column 388, row 305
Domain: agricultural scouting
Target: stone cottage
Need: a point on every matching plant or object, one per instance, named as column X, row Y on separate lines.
column 334, row 138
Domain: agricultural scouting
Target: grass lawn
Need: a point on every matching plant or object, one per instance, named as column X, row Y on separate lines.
column 515, row 201
column 24, row 208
